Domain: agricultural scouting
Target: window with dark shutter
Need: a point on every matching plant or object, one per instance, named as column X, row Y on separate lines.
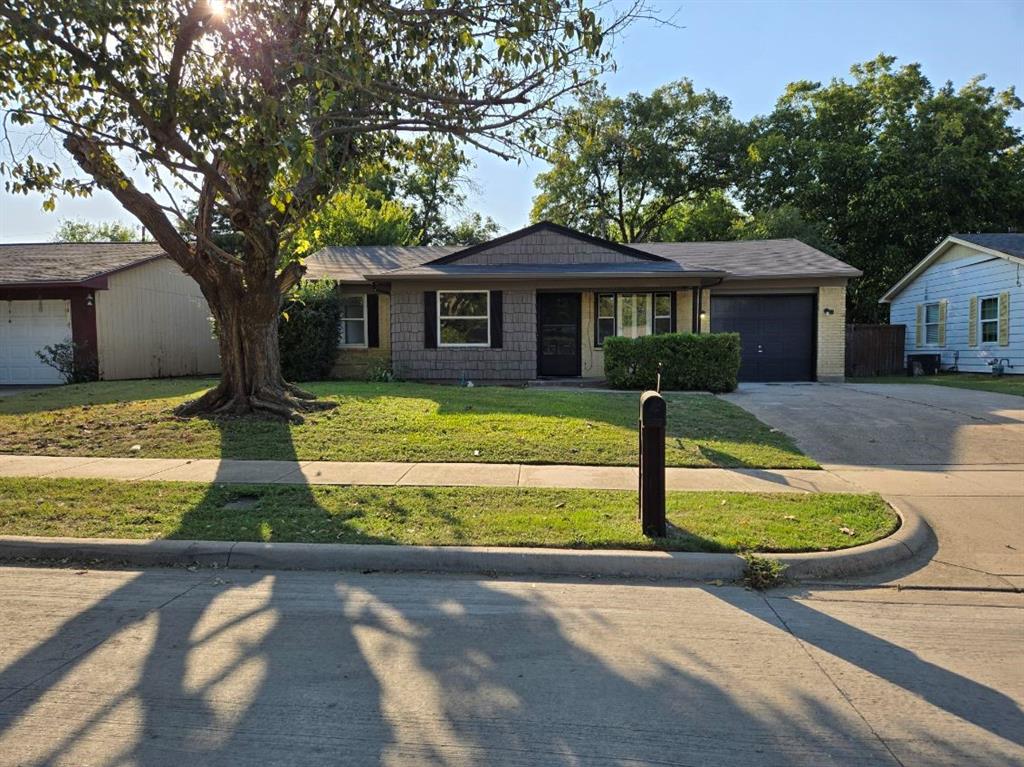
column 496, row 322
column 430, row 319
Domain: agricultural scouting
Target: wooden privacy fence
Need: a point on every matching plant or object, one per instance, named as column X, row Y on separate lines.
column 875, row 350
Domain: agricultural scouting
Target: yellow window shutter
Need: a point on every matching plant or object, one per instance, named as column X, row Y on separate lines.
column 943, row 308
column 1004, row 318
column 972, row 322
column 919, row 330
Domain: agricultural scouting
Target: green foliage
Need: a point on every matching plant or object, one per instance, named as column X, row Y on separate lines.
column 763, row 573
column 471, row 230
column 71, row 361
column 783, row 222
column 885, row 166
column 714, row 217
column 308, row 331
column 70, row 230
column 354, row 216
column 620, row 165
column 689, row 362
column 380, row 372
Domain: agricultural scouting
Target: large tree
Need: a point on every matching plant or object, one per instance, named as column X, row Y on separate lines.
column 260, row 109
column 885, row 166
column 620, row 165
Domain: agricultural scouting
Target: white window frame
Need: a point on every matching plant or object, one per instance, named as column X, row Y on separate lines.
column 486, row 316
column 993, row 321
column 648, row 326
column 654, row 311
column 613, row 317
column 366, row 325
column 937, row 324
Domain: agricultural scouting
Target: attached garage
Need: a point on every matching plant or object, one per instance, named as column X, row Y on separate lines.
column 129, row 310
column 777, row 334
column 25, row 327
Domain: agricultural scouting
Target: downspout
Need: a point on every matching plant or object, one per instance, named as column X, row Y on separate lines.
column 698, row 301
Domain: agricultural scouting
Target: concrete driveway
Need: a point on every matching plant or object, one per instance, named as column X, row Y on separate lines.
column 956, row 456
column 892, row 424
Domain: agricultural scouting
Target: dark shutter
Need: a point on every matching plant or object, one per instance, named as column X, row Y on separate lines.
column 430, row 319
column 496, row 322
column 695, row 307
column 672, row 325
column 372, row 320
column 597, row 319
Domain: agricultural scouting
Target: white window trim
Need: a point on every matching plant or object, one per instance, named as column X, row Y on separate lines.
column 925, row 323
column 366, row 327
column 654, row 310
column 487, row 317
column 994, row 321
column 653, row 315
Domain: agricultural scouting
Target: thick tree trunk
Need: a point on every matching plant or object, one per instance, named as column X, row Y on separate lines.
column 250, row 379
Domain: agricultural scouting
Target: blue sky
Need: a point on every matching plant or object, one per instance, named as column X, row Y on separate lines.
column 747, row 51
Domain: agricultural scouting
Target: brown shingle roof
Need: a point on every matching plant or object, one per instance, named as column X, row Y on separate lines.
column 70, row 262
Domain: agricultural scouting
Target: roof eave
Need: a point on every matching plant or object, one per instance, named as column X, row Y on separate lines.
column 505, row 276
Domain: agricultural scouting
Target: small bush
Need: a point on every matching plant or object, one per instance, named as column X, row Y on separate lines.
column 68, row 359
column 690, row 362
column 762, row 573
column 308, row 331
column 380, row 372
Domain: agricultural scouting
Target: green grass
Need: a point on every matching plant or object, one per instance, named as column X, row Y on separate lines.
column 980, row 381
column 390, row 422
column 473, row 516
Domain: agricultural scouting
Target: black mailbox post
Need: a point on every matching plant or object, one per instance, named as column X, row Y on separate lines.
column 652, row 464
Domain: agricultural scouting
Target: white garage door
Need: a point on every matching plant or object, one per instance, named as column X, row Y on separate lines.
column 28, row 326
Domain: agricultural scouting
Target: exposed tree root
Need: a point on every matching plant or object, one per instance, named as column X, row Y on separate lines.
column 286, row 402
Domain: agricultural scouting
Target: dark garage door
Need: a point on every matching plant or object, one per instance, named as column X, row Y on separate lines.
column 776, row 334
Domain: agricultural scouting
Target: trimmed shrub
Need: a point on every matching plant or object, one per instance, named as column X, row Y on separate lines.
column 308, row 331
column 690, row 362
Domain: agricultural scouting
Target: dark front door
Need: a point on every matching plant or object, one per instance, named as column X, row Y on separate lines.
column 777, row 334
column 558, row 334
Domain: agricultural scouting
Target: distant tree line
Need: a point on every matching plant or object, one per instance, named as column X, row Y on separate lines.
column 875, row 170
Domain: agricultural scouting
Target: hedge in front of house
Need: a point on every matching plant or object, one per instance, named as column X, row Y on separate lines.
column 691, row 362
column 308, row 331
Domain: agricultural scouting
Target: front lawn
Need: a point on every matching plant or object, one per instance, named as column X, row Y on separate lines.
column 470, row 516
column 390, row 422
column 980, row 381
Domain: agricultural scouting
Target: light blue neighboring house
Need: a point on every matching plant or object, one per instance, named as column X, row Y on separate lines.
column 965, row 302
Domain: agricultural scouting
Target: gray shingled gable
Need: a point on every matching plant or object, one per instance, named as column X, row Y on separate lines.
column 70, row 262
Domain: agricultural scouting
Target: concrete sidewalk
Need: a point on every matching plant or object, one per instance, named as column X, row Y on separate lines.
column 413, row 474
column 1003, row 480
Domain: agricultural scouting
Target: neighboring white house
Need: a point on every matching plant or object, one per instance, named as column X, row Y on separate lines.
column 965, row 302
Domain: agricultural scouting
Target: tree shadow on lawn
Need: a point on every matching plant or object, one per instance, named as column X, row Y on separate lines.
column 269, row 668
column 695, row 420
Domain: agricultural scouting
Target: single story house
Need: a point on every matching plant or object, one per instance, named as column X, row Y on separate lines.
column 540, row 301
column 964, row 301
column 127, row 306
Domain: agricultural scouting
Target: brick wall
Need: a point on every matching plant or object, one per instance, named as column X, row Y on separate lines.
column 831, row 333
column 515, row 361
column 357, row 364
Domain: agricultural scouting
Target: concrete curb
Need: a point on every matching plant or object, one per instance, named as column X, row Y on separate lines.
column 910, row 538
